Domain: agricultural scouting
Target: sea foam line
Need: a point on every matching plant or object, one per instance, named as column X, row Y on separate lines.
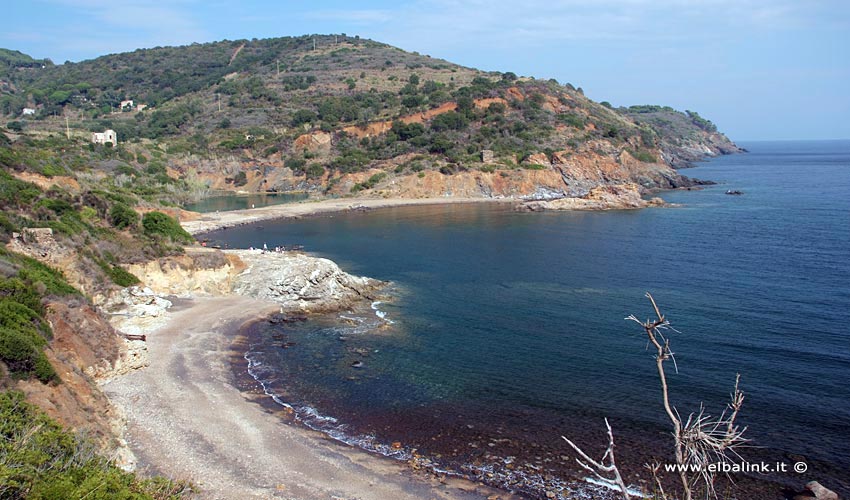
column 379, row 313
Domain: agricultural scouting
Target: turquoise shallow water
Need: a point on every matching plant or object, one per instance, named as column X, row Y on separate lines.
column 230, row 201
column 507, row 327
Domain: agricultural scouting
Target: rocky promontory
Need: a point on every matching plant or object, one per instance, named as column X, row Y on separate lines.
column 615, row 197
column 295, row 280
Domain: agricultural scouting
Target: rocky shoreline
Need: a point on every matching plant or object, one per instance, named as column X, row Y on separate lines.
column 184, row 413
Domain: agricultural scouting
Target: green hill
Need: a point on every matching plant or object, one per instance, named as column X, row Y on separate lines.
column 327, row 113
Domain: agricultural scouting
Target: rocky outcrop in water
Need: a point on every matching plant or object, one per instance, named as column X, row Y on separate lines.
column 617, row 197
column 301, row 282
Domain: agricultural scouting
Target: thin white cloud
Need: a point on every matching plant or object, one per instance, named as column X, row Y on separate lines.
column 540, row 20
column 116, row 26
column 363, row 16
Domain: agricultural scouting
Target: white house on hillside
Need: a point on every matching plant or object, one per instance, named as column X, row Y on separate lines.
column 28, row 111
column 126, row 104
column 104, row 137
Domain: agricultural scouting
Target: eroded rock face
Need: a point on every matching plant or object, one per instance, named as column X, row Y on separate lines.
column 84, row 350
column 614, row 197
column 315, row 142
column 301, row 282
column 137, row 311
column 199, row 271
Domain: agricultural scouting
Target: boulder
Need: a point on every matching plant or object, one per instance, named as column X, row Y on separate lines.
column 300, row 282
column 314, row 142
column 538, row 159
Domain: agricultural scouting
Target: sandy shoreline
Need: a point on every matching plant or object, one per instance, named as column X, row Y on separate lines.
column 187, row 419
column 220, row 220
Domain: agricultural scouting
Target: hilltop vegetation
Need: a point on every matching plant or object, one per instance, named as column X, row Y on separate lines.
column 322, row 107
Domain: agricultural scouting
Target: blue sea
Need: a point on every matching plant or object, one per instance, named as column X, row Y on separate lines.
column 504, row 330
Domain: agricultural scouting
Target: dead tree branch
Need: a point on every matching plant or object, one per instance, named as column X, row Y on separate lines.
column 606, row 468
column 700, row 440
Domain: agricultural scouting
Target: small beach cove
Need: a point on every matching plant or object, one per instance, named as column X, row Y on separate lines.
column 447, row 234
column 444, row 233
column 187, row 418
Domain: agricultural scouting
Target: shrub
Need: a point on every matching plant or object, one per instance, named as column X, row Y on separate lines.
column 407, row 131
column 643, row 156
column 572, row 119
column 121, row 277
column 240, row 179
column 122, row 217
column 303, row 116
column 370, row 183
column 16, row 193
column 451, row 120
column 315, row 171
column 297, row 165
column 23, row 333
column 41, row 460
column 24, row 357
column 33, row 272
column 158, row 224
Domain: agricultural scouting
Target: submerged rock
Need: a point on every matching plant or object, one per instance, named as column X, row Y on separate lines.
column 816, row 491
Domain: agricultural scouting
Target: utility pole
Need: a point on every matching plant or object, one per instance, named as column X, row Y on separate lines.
column 278, row 67
column 314, row 43
column 67, row 128
column 219, row 102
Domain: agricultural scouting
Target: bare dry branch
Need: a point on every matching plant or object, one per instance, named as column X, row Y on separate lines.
column 607, row 465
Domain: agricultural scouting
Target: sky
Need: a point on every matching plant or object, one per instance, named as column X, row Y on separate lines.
column 760, row 69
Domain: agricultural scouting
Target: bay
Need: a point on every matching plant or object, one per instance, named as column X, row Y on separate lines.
column 508, row 327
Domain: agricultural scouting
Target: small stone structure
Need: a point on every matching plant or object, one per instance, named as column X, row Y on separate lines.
column 108, row 135
column 488, row 156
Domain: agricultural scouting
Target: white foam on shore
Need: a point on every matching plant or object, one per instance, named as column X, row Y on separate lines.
column 379, row 313
column 495, row 474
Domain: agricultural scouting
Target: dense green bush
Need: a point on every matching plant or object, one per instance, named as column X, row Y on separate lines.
column 22, row 353
column 23, row 333
column 407, row 131
column 40, row 460
column 15, row 193
column 33, row 272
column 23, row 329
column 315, row 171
column 159, row 224
column 122, row 217
column 449, row 121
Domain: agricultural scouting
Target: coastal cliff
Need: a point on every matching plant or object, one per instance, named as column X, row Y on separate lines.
column 362, row 120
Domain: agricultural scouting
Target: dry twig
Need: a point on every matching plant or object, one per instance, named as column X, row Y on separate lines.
column 606, row 468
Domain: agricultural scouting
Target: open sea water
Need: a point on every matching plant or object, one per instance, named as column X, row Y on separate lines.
column 504, row 330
